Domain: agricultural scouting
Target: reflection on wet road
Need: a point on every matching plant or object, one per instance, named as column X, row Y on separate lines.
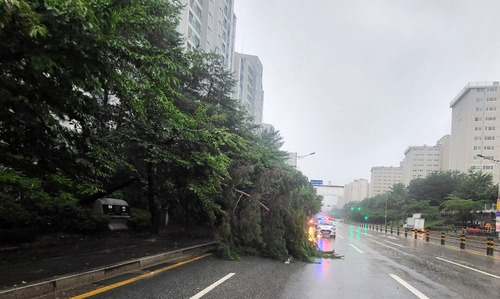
column 377, row 264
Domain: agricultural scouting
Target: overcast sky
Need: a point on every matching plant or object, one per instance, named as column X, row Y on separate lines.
column 359, row 81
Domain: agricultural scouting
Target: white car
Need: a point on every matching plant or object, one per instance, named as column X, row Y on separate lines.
column 326, row 227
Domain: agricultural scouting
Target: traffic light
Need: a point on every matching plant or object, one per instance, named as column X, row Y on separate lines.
column 359, row 208
column 352, row 208
column 366, row 218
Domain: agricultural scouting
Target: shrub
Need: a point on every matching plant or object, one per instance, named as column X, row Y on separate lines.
column 140, row 220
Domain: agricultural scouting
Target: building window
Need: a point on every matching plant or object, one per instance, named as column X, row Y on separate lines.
column 489, row 148
column 479, row 100
column 491, row 118
column 491, row 108
column 489, row 137
column 477, row 138
column 478, row 128
column 480, row 89
column 479, row 109
column 492, row 89
column 491, row 99
column 489, row 128
column 477, row 148
column 478, row 119
column 488, row 167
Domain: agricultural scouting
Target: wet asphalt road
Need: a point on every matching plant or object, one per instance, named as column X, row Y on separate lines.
column 374, row 265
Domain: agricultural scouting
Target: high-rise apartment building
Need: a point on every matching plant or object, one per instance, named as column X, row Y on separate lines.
column 355, row 191
column 248, row 89
column 209, row 25
column 475, row 128
column 444, row 145
column 419, row 161
column 384, row 178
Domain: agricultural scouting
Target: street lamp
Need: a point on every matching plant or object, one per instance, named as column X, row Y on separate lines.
column 303, row 156
column 497, row 214
column 386, row 209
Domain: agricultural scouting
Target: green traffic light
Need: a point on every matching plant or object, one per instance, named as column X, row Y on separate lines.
column 359, row 208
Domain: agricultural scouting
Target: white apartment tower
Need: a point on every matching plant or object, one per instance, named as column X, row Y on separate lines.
column 475, row 128
column 209, row 25
column 384, row 178
column 356, row 191
column 248, row 89
column 419, row 161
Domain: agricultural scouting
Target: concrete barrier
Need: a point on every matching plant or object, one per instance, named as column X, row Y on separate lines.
column 70, row 281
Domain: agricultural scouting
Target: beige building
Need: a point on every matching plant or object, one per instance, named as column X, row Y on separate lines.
column 419, row 161
column 355, row 191
column 444, row 145
column 384, row 178
column 475, row 128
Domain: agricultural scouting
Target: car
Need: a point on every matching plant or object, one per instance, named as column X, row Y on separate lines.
column 326, row 227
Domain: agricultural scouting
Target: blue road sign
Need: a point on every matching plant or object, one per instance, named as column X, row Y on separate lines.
column 317, row 182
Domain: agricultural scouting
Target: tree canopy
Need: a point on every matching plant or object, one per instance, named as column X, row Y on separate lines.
column 98, row 98
column 442, row 197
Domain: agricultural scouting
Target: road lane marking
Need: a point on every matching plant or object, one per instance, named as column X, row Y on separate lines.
column 395, row 244
column 212, row 286
column 391, row 237
column 125, row 282
column 409, row 287
column 466, row 267
column 356, row 248
column 340, row 236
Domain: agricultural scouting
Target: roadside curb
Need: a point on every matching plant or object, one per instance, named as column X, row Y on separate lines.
column 70, row 281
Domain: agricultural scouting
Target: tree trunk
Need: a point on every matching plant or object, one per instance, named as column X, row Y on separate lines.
column 153, row 208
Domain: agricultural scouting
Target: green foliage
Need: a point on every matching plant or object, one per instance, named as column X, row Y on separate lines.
column 140, row 220
column 436, row 187
column 477, row 186
column 462, row 209
column 435, row 196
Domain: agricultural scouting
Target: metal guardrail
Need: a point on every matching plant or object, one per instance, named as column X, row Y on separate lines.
column 462, row 241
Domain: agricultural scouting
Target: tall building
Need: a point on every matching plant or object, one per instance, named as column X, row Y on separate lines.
column 444, row 145
column 475, row 128
column 248, row 89
column 209, row 25
column 419, row 161
column 355, row 191
column 383, row 178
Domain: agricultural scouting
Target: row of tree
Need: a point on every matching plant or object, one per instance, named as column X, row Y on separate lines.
column 98, row 98
column 446, row 198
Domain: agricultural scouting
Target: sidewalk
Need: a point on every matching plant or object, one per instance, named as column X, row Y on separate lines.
column 62, row 255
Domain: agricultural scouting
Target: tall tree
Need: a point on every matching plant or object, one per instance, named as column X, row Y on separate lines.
column 434, row 188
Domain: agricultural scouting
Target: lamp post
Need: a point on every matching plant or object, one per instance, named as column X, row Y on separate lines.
column 497, row 214
column 386, row 209
column 303, row 156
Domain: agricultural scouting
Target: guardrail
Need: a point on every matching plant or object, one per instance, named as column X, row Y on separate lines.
column 462, row 241
column 57, row 284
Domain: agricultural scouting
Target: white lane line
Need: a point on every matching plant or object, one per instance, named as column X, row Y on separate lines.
column 466, row 267
column 212, row 286
column 395, row 244
column 409, row 287
column 391, row 237
column 340, row 236
column 356, row 248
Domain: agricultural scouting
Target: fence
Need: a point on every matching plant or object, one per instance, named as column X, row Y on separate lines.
column 462, row 241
